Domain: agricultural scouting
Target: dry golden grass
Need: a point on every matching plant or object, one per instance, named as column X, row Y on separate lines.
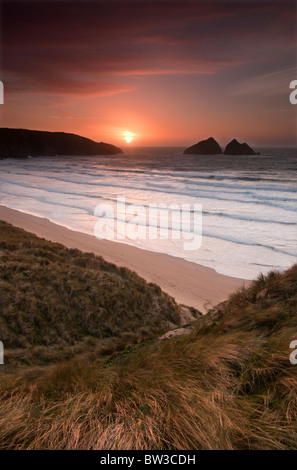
column 227, row 385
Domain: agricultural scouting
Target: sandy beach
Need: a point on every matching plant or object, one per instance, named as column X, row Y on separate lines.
column 189, row 283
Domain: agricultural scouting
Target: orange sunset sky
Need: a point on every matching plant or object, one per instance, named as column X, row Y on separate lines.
column 169, row 72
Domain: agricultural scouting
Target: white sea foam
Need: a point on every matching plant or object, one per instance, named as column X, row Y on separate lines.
column 249, row 204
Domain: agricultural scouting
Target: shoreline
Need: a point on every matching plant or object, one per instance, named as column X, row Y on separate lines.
column 189, row 283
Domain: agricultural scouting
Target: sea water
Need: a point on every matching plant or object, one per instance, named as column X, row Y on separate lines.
column 249, row 203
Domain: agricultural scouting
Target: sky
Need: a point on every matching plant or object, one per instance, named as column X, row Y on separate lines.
column 167, row 72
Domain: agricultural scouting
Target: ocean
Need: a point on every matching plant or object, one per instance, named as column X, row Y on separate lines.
column 249, row 203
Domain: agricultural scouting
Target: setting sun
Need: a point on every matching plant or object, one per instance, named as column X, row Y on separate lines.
column 128, row 137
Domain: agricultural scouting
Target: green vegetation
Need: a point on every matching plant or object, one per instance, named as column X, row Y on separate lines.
column 56, row 302
column 228, row 384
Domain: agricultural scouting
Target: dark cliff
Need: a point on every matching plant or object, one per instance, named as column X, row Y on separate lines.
column 15, row 143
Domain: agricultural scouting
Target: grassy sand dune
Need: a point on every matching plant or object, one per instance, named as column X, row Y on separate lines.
column 228, row 384
column 56, row 302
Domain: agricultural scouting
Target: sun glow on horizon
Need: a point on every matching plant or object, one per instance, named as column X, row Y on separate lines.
column 128, row 136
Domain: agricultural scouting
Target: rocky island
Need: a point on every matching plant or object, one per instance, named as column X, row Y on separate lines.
column 17, row 143
column 211, row 147
column 205, row 147
column 235, row 148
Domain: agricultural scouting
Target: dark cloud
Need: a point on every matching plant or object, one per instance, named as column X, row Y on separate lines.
column 91, row 47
